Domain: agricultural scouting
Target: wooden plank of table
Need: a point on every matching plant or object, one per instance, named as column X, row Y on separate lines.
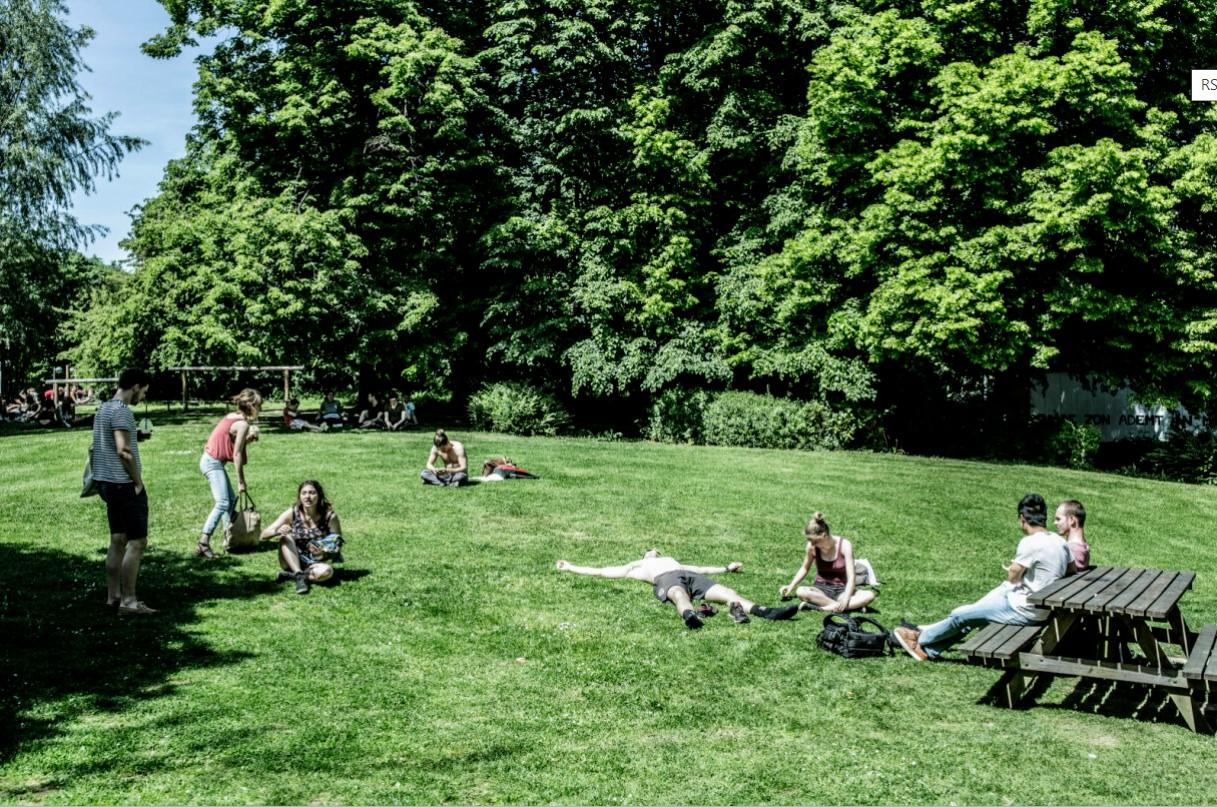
column 1077, row 600
column 1170, row 598
column 1197, row 661
column 1053, row 596
column 1146, row 580
column 995, row 641
column 979, row 639
column 1141, row 604
column 1094, row 669
column 1099, row 602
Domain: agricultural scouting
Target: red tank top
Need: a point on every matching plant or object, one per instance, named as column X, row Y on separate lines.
column 831, row 572
column 221, row 443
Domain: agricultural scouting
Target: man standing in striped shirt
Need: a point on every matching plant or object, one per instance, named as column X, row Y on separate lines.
column 116, row 469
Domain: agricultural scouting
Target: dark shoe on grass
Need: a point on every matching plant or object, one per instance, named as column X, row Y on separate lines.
column 284, row 576
column 301, row 583
column 203, row 550
column 691, row 619
column 737, row 612
column 706, row 610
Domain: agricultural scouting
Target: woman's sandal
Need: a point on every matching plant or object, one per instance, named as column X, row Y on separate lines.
column 203, row 550
column 139, row 608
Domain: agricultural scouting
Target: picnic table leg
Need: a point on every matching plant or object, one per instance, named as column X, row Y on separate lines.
column 1012, row 685
column 1190, row 708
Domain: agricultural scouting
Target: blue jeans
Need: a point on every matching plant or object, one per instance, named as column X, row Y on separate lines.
column 992, row 608
column 221, row 492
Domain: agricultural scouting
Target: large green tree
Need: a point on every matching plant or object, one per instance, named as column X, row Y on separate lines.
column 51, row 146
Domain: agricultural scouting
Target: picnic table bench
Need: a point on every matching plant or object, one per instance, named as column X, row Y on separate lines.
column 1109, row 623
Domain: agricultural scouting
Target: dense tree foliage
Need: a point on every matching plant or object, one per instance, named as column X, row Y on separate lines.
column 617, row 198
column 51, row 146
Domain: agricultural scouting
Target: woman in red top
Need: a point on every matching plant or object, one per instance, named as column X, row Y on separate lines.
column 228, row 443
column 835, row 588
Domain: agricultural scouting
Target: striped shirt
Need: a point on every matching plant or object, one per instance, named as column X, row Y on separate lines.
column 107, row 467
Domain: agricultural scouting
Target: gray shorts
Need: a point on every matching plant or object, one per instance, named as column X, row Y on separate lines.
column 692, row 582
column 828, row 588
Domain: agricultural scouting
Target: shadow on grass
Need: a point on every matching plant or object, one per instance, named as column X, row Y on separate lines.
column 59, row 642
column 1098, row 697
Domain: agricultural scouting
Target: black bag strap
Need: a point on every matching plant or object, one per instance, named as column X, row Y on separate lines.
column 245, row 501
column 858, row 621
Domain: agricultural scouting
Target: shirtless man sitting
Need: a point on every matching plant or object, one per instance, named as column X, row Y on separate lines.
column 447, row 464
column 679, row 584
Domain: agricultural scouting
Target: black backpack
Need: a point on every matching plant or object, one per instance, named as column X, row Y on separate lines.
column 853, row 637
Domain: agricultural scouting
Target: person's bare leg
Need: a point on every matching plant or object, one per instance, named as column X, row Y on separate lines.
column 815, row 597
column 860, row 599
column 678, row 596
column 289, row 557
column 724, row 594
column 114, row 567
column 130, row 571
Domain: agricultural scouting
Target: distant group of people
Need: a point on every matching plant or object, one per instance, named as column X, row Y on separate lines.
column 49, row 409
column 394, row 416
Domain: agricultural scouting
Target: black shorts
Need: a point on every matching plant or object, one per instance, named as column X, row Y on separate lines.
column 833, row 590
column 694, row 583
column 126, row 511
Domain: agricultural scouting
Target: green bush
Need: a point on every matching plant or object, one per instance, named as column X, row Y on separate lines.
column 678, row 416
column 1185, row 457
column 519, row 409
column 1075, row 446
column 767, row 422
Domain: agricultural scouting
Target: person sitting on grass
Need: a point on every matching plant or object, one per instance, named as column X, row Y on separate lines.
column 395, row 416
column 1040, row 559
column 681, row 584
column 447, row 463
column 330, row 411
column 1070, row 522
column 370, row 415
column 835, row 588
column 310, row 536
column 293, row 420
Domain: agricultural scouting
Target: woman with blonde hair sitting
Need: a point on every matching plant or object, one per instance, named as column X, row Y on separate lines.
column 228, row 443
column 835, row 588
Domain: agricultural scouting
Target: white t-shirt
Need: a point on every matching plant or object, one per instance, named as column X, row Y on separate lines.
column 1045, row 556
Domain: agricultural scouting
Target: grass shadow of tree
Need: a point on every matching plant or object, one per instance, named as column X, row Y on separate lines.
column 59, row 641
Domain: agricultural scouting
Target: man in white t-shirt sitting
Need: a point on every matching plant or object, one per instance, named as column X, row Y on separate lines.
column 1042, row 557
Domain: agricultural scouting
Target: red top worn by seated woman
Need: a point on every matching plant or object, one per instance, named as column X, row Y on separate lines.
column 831, row 572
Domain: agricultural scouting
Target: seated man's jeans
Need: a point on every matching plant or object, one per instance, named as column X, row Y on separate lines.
column 992, row 608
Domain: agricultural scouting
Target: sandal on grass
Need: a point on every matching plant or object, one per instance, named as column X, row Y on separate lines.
column 139, row 608
column 204, row 550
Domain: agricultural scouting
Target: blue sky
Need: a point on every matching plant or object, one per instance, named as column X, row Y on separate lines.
column 152, row 97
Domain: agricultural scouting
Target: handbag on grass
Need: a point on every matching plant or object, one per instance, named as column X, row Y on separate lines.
column 245, row 527
column 850, row 637
column 88, row 486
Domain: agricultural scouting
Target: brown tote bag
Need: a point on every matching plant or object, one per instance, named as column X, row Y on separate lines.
column 245, row 527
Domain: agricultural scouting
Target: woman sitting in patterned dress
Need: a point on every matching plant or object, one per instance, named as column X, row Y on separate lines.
column 310, row 535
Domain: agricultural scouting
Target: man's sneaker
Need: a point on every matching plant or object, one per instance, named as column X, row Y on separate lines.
column 706, row 610
column 808, row 606
column 907, row 638
column 301, row 583
column 737, row 612
column 691, row 619
column 284, row 576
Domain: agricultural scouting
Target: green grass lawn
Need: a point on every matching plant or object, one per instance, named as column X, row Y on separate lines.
column 453, row 664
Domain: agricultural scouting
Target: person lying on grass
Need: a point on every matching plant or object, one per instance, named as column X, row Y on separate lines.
column 681, row 584
column 447, row 463
column 1040, row 559
column 309, row 536
column 835, row 588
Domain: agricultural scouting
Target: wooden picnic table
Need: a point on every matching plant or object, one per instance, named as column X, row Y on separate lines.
column 1109, row 623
